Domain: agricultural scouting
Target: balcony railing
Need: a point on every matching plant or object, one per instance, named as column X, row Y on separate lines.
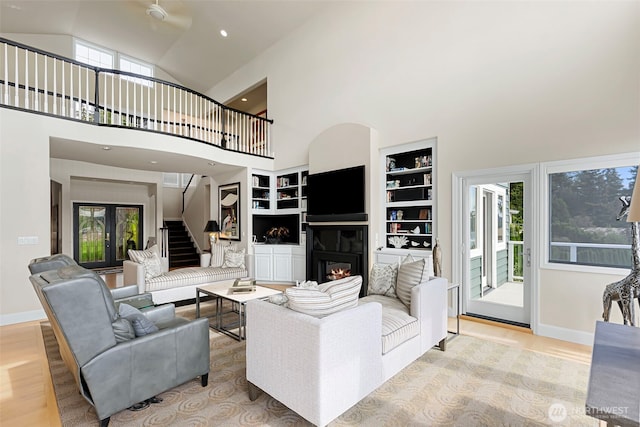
column 40, row 82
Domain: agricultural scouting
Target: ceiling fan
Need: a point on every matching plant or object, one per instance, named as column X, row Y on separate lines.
column 177, row 17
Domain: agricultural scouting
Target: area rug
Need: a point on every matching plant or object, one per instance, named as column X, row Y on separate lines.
column 474, row 383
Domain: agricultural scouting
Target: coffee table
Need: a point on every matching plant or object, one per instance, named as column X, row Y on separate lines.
column 221, row 292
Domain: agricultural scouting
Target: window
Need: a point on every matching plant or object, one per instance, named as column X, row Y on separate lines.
column 473, row 217
column 584, row 208
column 176, row 180
column 137, row 67
column 93, row 55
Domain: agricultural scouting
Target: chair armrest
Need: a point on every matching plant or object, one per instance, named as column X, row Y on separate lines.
column 205, row 259
column 125, row 292
column 133, row 274
column 160, row 313
column 315, row 366
column 429, row 305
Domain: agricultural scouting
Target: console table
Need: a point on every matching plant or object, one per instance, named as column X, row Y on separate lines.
column 614, row 382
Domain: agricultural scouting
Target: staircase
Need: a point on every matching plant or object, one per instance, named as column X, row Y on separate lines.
column 182, row 252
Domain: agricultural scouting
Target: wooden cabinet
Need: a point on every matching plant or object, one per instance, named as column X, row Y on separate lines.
column 409, row 196
column 280, row 263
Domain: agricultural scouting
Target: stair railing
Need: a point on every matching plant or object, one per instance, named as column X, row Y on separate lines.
column 40, row 82
column 186, row 187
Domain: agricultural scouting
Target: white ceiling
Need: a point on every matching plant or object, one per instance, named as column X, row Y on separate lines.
column 191, row 50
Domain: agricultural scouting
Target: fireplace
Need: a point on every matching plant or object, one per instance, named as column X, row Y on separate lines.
column 335, row 251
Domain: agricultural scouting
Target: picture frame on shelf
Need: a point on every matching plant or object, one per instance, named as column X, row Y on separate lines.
column 229, row 207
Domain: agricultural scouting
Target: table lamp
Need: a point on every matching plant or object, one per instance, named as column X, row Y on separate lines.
column 212, row 228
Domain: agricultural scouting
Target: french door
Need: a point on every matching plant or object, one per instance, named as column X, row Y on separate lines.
column 103, row 233
column 496, row 241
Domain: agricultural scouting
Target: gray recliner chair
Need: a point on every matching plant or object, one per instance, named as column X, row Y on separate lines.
column 114, row 373
column 126, row 294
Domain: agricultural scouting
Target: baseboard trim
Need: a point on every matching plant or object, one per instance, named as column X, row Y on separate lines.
column 571, row 335
column 24, row 316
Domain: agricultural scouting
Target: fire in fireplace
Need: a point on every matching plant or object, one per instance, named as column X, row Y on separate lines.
column 337, row 251
column 338, row 270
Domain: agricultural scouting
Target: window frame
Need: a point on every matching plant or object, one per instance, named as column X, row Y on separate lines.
column 136, row 80
column 575, row 165
column 84, row 43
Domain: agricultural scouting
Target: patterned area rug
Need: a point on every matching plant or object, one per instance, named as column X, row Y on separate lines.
column 474, row 383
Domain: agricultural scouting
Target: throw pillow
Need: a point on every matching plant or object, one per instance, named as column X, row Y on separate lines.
column 123, row 330
column 152, row 266
column 233, row 257
column 217, row 254
column 279, row 299
column 138, row 256
column 141, row 325
column 409, row 275
column 382, row 280
column 327, row 298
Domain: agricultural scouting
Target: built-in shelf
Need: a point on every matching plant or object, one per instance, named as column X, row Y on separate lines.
column 409, row 196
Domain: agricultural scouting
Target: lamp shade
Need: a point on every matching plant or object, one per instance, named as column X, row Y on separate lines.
column 211, row 227
column 634, row 209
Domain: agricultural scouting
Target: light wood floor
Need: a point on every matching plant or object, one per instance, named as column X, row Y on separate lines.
column 26, row 390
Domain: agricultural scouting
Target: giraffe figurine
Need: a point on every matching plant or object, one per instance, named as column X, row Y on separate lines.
column 626, row 290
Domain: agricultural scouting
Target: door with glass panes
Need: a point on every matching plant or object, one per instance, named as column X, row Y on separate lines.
column 103, row 233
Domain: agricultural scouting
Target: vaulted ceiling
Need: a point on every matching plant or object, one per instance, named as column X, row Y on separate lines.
column 187, row 44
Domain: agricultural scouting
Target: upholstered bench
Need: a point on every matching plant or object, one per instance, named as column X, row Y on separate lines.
column 151, row 272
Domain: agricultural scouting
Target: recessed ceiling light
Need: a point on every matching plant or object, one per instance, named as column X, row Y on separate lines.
column 244, row 100
column 223, row 33
column 105, row 148
column 211, row 164
column 153, row 162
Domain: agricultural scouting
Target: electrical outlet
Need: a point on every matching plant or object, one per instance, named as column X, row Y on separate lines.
column 28, row 240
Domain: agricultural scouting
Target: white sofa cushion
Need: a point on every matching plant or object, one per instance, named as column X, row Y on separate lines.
column 193, row 276
column 397, row 325
column 328, row 298
column 409, row 275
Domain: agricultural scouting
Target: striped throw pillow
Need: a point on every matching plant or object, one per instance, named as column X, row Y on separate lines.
column 139, row 255
column 217, row 254
column 409, row 275
column 327, row 298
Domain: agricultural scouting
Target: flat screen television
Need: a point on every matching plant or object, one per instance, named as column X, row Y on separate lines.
column 337, row 195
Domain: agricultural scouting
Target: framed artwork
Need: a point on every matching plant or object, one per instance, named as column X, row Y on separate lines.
column 229, row 197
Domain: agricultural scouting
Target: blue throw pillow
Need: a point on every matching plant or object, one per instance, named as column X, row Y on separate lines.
column 141, row 325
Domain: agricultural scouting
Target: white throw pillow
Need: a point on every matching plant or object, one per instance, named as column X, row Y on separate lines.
column 327, row 298
column 217, row 254
column 233, row 257
column 409, row 275
column 138, row 256
column 382, row 280
column 152, row 266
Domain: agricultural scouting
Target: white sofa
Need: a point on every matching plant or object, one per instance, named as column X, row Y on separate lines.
column 180, row 284
column 320, row 367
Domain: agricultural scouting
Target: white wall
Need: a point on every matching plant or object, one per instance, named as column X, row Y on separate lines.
column 498, row 83
column 25, row 176
column 88, row 182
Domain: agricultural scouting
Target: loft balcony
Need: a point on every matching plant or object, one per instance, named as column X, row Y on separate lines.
column 40, row 82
